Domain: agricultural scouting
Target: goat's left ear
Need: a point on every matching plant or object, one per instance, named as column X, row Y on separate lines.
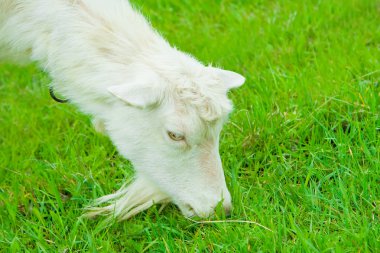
column 229, row 78
column 141, row 91
column 137, row 94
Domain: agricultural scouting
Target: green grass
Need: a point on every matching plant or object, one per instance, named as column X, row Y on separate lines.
column 301, row 152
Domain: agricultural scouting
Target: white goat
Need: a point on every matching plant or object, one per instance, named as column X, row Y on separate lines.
column 163, row 109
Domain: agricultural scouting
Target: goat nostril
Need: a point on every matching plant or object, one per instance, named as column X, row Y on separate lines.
column 189, row 210
column 227, row 211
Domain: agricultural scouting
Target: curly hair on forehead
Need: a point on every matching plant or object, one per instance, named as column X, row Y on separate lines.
column 210, row 104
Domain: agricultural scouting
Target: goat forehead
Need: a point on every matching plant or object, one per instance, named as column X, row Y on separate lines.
column 210, row 102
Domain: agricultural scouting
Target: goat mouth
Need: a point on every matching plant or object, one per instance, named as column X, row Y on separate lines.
column 130, row 200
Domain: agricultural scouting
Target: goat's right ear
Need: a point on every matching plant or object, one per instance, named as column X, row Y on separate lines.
column 228, row 78
column 140, row 94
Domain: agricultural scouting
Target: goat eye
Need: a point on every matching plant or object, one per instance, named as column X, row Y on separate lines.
column 176, row 137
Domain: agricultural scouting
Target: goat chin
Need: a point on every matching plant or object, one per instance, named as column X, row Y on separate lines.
column 131, row 199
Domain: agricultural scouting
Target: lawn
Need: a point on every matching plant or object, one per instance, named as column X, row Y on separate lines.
column 301, row 151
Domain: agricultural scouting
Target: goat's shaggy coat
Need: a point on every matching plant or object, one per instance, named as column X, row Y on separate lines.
column 162, row 108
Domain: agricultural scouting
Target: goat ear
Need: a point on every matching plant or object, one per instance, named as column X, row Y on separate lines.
column 229, row 78
column 137, row 94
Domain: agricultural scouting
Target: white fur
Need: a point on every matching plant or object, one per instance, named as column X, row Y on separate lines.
column 105, row 57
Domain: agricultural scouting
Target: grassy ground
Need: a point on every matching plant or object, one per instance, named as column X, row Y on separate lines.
column 301, row 152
